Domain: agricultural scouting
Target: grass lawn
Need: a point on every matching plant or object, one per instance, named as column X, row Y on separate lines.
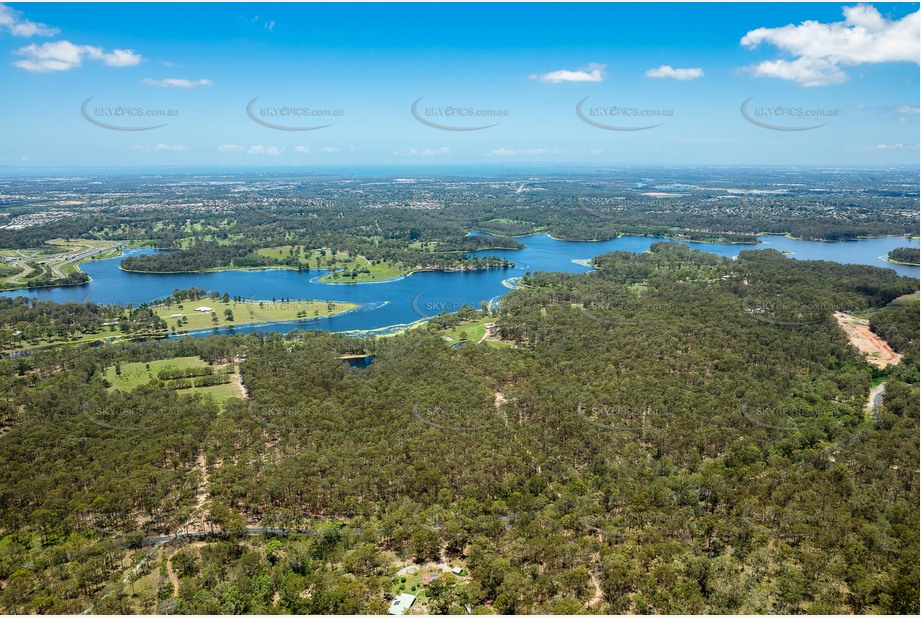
column 135, row 374
column 342, row 265
column 247, row 312
column 186, row 242
column 906, row 299
column 280, row 253
column 378, row 272
column 8, row 270
column 415, row 581
column 80, row 243
column 474, row 331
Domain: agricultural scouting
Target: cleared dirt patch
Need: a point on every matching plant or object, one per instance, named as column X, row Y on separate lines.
column 876, row 349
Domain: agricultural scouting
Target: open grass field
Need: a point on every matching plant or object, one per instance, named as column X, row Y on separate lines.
column 345, row 268
column 360, row 270
column 472, row 332
column 280, row 253
column 187, row 242
column 247, row 312
column 907, row 299
column 413, row 582
column 132, row 375
column 8, row 271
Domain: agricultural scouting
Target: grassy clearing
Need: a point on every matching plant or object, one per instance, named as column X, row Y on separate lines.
column 413, row 584
column 345, row 267
column 8, row 271
column 361, row 270
column 128, row 376
column 472, row 332
column 906, row 299
column 187, row 242
column 246, row 312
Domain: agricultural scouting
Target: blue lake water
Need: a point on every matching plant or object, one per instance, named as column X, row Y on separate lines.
column 386, row 306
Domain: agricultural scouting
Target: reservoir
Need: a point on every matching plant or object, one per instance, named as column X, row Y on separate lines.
column 388, row 306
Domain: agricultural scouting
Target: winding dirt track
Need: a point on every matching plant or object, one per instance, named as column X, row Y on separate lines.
column 172, row 576
column 876, row 349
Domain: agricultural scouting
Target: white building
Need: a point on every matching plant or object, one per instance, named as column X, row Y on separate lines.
column 401, row 604
column 204, row 309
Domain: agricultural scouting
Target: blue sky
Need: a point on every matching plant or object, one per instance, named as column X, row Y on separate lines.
column 524, row 68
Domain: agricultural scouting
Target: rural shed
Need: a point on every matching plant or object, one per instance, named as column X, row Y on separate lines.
column 401, row 604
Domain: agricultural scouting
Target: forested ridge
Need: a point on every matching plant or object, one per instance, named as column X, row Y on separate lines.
column 674, row 432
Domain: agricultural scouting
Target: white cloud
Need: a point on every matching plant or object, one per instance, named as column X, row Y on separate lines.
column 804, row 71
column 895, row 147
column 176, row 83
column 885, row 147
column 257, row 149
column 160, row 148
column 864, row 37
column 268, row 24
column 310, row 149
column 64, row 55
column 592, row 73
column 11, row 20
column 118, row 57
column 425, row 152
column 679, row 74
column 508, row 152
column 900, row 113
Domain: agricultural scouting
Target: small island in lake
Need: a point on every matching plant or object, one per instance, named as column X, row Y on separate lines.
column 905, row 255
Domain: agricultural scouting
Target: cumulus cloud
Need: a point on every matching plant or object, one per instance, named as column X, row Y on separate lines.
column 679, row 74
column 12, row 21
column 313, row 149
column 508, row 152
column 64, row 56
column 176, row 83
column 881, row 147
column 257, row 149
column 424, row 152
column 804, row 71
column 160, row 148
column 592, row 73
column 820, row 50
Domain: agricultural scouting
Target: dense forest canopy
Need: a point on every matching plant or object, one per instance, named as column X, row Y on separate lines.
column 674, row 432
column 906, row 255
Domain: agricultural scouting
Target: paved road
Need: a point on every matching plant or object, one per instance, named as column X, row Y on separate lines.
column 54, row 262
column 876, row 397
